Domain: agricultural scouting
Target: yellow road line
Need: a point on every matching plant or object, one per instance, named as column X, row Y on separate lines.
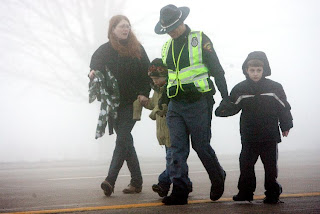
column 293, row 195
column 127, row 206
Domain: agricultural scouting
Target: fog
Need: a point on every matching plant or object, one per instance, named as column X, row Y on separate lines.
column 46, row 47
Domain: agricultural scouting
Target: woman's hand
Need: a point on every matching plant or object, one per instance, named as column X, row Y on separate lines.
column 91, row 74
column 143, row 100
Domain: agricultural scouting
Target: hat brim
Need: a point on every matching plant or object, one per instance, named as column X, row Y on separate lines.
column 160, row 30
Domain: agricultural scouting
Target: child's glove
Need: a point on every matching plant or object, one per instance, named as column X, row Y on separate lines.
column 163, row 111
column 157, row 111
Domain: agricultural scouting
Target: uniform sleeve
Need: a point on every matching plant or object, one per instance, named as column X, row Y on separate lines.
column 212, row 62
column 285, row 116
column 145, row 80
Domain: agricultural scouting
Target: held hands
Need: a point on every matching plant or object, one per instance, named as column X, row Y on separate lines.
column 143, row 100
column 225, row 108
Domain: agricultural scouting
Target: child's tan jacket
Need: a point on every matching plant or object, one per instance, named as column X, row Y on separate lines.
column 160, row 117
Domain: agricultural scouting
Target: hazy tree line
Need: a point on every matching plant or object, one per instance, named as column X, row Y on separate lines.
column 48, row 43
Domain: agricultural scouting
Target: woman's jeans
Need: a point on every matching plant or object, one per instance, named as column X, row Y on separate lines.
column 124, row 149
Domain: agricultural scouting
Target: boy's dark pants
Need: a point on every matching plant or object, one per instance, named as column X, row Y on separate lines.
column 268, row 152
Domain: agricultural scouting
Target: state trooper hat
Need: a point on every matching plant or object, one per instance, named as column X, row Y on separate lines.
column 170, row 18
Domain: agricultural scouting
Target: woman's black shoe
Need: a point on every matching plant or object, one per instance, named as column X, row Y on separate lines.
column 107, row 188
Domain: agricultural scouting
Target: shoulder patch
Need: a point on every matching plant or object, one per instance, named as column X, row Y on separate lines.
column 208, row 46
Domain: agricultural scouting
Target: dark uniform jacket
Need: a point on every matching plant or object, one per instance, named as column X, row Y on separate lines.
column 131, row 73
column 210, row 59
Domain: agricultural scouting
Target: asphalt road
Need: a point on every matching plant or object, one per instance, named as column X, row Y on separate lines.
column 54, row 187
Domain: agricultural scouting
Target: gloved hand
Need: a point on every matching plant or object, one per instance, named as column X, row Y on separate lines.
column 226, row 108
column 225, row 103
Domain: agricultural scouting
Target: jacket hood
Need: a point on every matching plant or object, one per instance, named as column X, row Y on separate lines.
column 260, row 56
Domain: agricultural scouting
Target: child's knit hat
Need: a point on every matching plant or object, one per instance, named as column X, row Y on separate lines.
column 157, row 68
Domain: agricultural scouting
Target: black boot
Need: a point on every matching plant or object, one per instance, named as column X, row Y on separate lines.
column 241, row 196
column 217, row 191
column 175, row 200
column 273, row 194
column 271, row 200
column 160, row 189
column 178, row 196
column 272, row 197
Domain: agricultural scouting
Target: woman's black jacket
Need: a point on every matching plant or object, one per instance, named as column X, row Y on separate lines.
column 131, row 73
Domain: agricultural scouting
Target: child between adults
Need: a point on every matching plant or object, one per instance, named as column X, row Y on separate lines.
column 159, row 74
column 264, row 105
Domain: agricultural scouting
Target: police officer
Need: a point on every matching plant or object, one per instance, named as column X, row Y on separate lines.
column 191, row 60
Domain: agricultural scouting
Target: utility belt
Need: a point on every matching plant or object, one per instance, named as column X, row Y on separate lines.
column 188, row 97
column 190, row 93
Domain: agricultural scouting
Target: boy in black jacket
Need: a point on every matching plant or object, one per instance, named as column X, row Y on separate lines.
column 264, row 105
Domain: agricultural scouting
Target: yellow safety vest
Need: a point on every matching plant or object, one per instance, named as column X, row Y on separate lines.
column 196, row 73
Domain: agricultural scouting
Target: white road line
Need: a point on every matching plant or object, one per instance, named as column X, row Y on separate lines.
column 73, row 178
column 151, row 174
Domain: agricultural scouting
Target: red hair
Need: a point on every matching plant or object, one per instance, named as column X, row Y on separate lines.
column 131, row 47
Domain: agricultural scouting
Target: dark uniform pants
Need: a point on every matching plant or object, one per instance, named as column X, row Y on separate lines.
column 164, row 177
column 268, row 152
column 191, row 120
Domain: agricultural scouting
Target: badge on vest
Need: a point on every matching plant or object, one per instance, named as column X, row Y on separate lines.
column 194, row 41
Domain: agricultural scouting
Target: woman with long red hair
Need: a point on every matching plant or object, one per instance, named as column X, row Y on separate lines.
column 128, row 62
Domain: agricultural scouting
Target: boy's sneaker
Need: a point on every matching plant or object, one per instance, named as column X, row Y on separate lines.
column 243, row 197
column 162, row 191
column 131, row 189
column 271, row 200
column 107, row 188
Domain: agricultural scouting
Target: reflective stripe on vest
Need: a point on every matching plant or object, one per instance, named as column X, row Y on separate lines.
column 196, row 73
